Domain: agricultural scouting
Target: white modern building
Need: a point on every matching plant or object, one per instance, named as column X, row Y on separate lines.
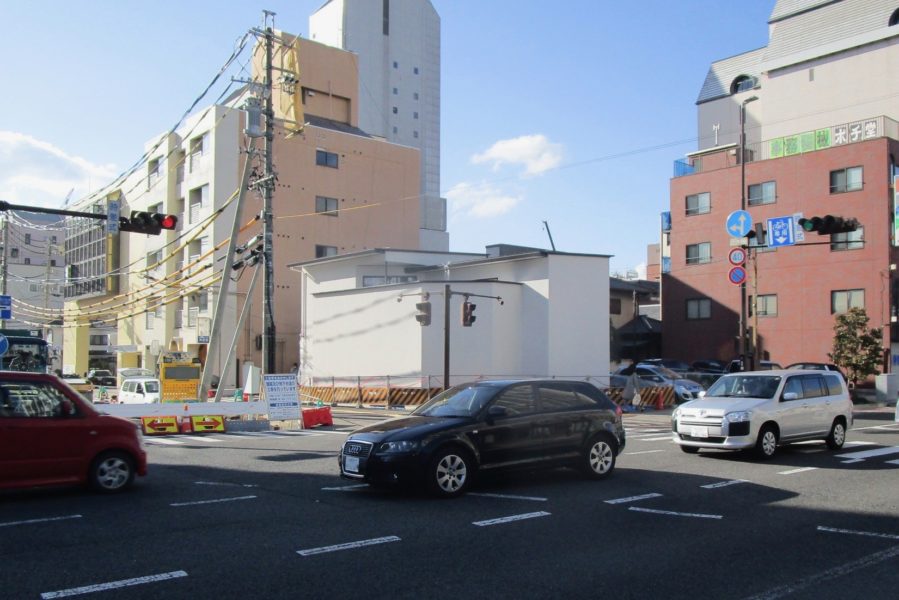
column 397, row 43
column 359, row 316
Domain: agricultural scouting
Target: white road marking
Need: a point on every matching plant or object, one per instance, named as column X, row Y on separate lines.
column 348, row 546
column 676, row 514
column 212, row 501
column 721, row 484
column 893, row 462
column 870, row 453
column 645, row 452
column 845, row 569
column 852, row 444
column 874, row 427
column 800, row 470
column 163, row 441
column 853, row 461
column 345, row 488
column 32, row 521
column 100, row 587
column 633, row 498
column 501, row 520
column 508, row 497
column 653, row 439
column 206, row 438
column 226, row 483
column 889, row 536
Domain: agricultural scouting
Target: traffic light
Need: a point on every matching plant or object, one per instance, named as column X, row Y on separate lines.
column 828, row 224
column 468, row 313
column 148, row 223
column 424, row 313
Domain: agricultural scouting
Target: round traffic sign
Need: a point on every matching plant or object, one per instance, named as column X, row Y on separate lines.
column 737, row 275
column 736, row 257
column 738, row 223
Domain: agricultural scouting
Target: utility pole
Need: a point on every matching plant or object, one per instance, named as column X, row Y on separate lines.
column 446, row 337
column 5, row 262
column 268, row 183
column 746, row 358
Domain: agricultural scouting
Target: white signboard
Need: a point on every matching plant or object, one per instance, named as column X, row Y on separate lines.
column 281, row 396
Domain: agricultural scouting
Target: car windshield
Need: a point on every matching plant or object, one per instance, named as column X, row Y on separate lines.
column 102, row 373
column 745, row 386
column 152, row 387
column 665, row 372
column 461, row 401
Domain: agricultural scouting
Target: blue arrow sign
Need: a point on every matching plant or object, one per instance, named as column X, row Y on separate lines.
column 781, row 232
column 4, row 344
column 739, row 223
column 6, row 307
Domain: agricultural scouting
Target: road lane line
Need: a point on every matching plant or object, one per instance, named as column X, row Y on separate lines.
column 645, row 452
column 841, row 571
column 501, row 520
column 853, row 461
column 721, row 484
column 162, row 441
column 212, row 501
column 654, row 439
column 893, row 462
column 207, row 439
column 633, row 498
column 344, row 488
column 32, row 521
column 508, row 496
column 852, row 444
column 888, row 536
column 349, row 545
column 800, row 470
column 226, row 483
column 100, row 587
column 870, row 453
column 675, row 514
column 874, row 427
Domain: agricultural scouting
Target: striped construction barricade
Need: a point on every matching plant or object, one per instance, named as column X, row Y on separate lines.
column 159, row 425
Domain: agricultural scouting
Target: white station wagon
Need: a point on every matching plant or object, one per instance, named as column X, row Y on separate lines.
column 140, row 390
column 764, row 409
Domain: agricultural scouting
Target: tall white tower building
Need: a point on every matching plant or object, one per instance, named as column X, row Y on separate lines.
column 398, row 46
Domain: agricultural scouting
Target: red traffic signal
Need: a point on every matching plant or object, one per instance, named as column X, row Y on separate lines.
column 148, row 223
column 828, row 224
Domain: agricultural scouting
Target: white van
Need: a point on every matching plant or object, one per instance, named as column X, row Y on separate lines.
column 140, row 390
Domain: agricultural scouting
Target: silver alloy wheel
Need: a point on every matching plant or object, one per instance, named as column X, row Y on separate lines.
column 112, row 473
column 769, row 442
column 839, row 434
column 601, row 457
column 451, row 473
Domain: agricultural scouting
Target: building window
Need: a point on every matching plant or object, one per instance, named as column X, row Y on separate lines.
column 415, row 134
column 27, row 260
column 843, row 300
column 198, row 199
column 99, row 340
column 326, row 159
column 395, row 91
column 699, row 308
column 203, row 301
column 372, row 280
column 395, row 65
column 52, row 262
column 385, row 19
column 698, row 204
column 762, row 193
column 14, row 253
column 766, row 304
column 853, row 240
column 415, row 95
column 743, row 83
column 395, row 110
column 615, row 306
column 846, row 180
column 198, row 147
column 699, row 253
column 28, row 239
column 415, row 70
column 152, row 171
column 326, row 206
column 323, row 251
column 395, row 130
column 414, row 115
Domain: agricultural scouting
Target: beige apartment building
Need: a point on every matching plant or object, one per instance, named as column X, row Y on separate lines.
column 338, row 190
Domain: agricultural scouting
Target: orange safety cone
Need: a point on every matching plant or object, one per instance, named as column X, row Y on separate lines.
column 660, row 401
column 186, row 424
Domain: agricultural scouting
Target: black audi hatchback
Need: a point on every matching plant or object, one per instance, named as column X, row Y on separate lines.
column 488, row 425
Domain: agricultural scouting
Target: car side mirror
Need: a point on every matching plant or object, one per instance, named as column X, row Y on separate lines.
column 496, row 412
column 789, row 396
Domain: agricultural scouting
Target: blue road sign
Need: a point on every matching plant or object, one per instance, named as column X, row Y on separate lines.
column 739, row 223
column 6, row 307
column 737, row 275
column 781, row 232
column 4, row 344
column 112, row 216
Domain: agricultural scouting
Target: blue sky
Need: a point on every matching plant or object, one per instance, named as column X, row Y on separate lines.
column 569, row 112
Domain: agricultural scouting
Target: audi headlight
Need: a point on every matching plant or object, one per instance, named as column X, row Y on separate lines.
column 396, row 447
column 738, row 417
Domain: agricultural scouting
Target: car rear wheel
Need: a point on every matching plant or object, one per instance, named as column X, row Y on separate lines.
column 689, row 449
column 599, row 456
column 449, row 473
column 111, row 472
column 766, row 444
column 837, row 435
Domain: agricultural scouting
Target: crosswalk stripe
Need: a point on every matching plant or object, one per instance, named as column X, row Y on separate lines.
column 870, row 453
column 164, row 442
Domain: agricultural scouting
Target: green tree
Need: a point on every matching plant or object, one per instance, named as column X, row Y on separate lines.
column 856, row 349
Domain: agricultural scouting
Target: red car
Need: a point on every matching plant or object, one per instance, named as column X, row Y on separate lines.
column 49, row 435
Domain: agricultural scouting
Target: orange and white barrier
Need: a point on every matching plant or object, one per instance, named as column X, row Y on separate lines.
column 159, row 425
column 203, row 423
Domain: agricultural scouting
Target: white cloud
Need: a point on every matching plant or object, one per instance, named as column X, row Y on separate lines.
column 641, row 270
column 37, row 173
column 480, row 201
column 535, row 152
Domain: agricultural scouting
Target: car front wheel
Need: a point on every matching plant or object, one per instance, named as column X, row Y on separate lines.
column 599, row 456
column 111, row 472
column 766, row 443
column 837, row 435
column 449, row 473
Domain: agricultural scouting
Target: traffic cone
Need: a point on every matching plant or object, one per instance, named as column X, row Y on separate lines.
column 660, row 401
column 186, row 424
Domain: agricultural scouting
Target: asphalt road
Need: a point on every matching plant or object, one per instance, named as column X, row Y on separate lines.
column 266, row 516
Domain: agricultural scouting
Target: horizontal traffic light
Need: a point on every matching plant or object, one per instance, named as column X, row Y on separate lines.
column 147, row 223
column 828, row 224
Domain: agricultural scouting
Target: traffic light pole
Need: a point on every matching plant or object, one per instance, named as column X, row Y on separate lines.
column 746, row 358
column 446, row 336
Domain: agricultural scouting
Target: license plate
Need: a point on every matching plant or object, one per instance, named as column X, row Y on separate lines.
column 351, row 464
column 699, row 432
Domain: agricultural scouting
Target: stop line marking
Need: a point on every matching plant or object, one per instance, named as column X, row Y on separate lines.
column 348, row 546
column 100, row 587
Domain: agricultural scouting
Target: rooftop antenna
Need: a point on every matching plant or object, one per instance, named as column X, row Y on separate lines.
column 549, row 233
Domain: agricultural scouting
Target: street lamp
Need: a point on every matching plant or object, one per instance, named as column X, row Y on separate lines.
column 743, row 353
